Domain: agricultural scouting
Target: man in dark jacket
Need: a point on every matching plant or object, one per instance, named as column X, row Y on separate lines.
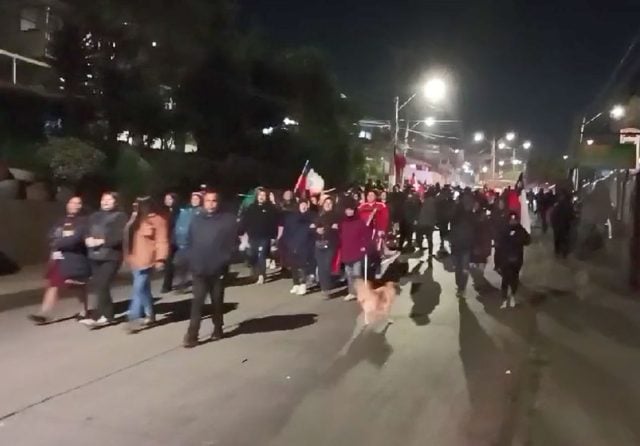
column 513, row 240
column 462, row 241
column 212, row 239
column 260, row 222
column 409, row 221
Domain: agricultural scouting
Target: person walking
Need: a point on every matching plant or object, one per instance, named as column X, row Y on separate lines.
column 499, row 221
column 68, row 265
column 562, row 218
column 297, row 243
column 462, row 241
column 212, row 239
column 355, row 243
column 326, row 244
column 171, row 213
column 180, row 237
column 260, row 222
column 513, row 239
column 104, row 244
column 147, row 248
column 409, row 219
column 481, row 247
column 427, row 220
column 444, row 210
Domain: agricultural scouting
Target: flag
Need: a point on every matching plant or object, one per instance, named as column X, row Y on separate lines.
column 301, row 184
column 525, row 218
column 315, row 183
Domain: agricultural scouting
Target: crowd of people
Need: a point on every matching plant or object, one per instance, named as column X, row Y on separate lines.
column 322, row 240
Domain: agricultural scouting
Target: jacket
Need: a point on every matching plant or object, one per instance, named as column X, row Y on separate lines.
column 481, row 249
column 462, row 231
column 260, row 221
column 411, row 209
column 380, row 220
column 298, row 238
column 513, row 240
column 329, row 221
column 211, row 241
column 428, row 215
column 107, row 225
column 183, row 222
column 355, row 239
column 149, row 244
column 67, row 237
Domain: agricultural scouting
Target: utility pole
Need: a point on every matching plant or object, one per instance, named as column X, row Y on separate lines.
column 396, row 129
column 493, row 159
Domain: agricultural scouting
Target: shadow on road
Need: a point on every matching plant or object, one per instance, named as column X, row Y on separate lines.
column 180, row 310
column 369, row 346
column 270, row 324
column 425, row 295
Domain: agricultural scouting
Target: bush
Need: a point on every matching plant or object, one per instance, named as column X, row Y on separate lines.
column 70, row 159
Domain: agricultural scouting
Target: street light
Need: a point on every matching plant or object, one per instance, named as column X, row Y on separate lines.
column 526, row 145
column 435, row 90
column 501, row 163
column 430, row 121
column 485, row 169
column 618, row 112
column 502, row 145
column 478, row 137
column 590, row 142
column 511, row 136
column 565, row 157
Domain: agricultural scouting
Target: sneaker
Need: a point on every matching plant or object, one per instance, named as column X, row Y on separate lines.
column 216, row 336
column 260, row 280
column 132, row 327
column 349, row 297
column 505, row 304
column 148, row 321
column 302, row 290
column 102, row 322
column 294, row 290
column 87, row 321
column 511, row 302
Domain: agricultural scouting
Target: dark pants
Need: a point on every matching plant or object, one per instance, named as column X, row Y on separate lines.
column 406, row 234
column 510, row 278
column 561, row 241
column 443, row 227
column 461, row 263
column 258, row 253
column 169, row 269
column 543, row 218
column 103, row 274
column 204, row 286
column 299, row 276
column 423, row 232
column 324, row 260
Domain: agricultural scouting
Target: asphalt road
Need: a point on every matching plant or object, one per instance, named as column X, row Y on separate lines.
column 292, row 371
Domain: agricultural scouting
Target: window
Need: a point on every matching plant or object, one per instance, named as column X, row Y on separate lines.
column 28, row 19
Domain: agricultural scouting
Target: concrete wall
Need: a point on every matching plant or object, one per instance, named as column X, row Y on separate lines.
column 24, row 226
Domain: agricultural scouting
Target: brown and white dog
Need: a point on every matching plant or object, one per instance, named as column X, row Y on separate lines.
column 375, row 302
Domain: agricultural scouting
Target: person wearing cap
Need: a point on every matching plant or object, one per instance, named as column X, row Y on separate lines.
column 180, row 234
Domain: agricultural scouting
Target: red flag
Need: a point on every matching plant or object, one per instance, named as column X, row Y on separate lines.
column 301, row 184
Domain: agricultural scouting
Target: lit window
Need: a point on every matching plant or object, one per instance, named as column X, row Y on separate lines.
column 28, row 19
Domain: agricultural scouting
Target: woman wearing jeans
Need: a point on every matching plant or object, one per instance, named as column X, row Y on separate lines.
column 104, row 246
column 355, row 243
column 147, row 247
column 326, row 228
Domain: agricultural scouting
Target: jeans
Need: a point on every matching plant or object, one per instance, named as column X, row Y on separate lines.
column 461, row 262
column 354, row 271
column 324, row 259
column 258, row 254
column 141, row 298
column 204, row 286
column 425, row 232
column 103, row 274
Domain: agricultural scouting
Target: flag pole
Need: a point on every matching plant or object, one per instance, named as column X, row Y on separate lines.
column 304, row 168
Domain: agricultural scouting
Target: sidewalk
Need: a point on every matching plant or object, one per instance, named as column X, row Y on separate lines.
column 581, row 387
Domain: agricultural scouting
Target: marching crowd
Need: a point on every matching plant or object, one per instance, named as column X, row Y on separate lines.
column 321, row 240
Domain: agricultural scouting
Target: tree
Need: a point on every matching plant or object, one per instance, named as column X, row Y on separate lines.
column 70, row 159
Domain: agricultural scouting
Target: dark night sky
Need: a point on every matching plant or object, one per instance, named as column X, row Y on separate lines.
column 529, row 65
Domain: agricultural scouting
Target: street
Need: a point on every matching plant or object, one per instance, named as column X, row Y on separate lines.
column 300, row 370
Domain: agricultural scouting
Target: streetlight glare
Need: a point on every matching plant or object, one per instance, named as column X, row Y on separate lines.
column 485, row 169
column 590, row 142
column 478, row 137
column 502, row 145
column 511, row 136
column 435, row 90
column 526, row 145
column 430, row 121
column 565, row 157
column 501, row 163
column 618, row 112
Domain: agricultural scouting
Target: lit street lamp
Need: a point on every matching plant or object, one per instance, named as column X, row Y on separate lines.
column 478, row 137
column 435, row 90
column 526, row 145
column 618, row 112
column 511, row 136
column 430, row 121
column 590, row 142
column 565, row 157
column 502, row 145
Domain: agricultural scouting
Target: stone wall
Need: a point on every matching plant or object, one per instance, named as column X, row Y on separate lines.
column 24, row 226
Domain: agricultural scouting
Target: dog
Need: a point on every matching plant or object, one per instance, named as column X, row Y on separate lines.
column 375, row 302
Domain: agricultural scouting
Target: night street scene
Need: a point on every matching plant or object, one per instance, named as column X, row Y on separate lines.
column 320, row 223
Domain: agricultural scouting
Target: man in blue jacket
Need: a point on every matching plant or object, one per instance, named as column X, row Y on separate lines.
column 211, row 242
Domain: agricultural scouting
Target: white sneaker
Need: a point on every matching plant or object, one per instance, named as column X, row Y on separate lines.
column 349, row 297
column 260, row 280
column 87, row 321
column 505, row 304
column 294, row 290
column 302, row 290
column 511, row 302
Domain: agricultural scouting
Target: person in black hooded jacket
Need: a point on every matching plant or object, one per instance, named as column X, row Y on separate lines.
column 104, row 239
column 513, row 240
column 260, row 222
